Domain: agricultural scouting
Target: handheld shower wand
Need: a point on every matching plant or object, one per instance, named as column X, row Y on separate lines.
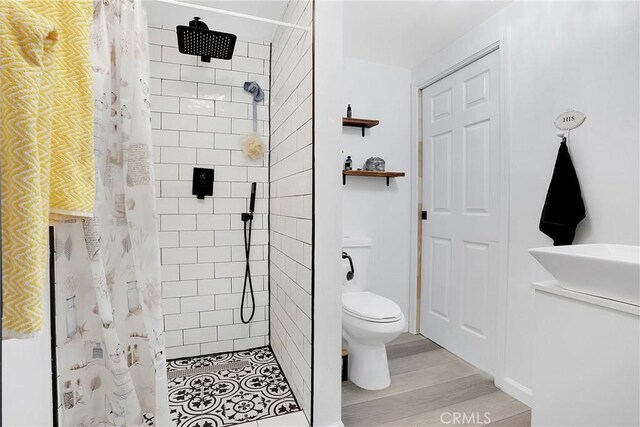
column 252, row 202
column 247, row 219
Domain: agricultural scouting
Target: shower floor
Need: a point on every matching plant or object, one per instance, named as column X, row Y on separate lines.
column 223, row 397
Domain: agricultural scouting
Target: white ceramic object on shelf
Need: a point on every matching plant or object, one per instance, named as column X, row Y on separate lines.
column 369, row 321
column 604, row 270
column 376, row 164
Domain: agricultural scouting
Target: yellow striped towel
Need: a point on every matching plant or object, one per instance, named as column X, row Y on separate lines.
column 72, row 160
column 27, row 66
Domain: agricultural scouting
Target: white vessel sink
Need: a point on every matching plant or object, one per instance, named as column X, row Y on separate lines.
column 603, row 270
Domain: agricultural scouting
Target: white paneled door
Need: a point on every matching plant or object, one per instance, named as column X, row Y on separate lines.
column 460, row 238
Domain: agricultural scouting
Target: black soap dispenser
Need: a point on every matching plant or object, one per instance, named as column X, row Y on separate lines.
column 349, row 111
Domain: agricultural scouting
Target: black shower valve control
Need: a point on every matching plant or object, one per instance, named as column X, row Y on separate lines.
column 202, row 182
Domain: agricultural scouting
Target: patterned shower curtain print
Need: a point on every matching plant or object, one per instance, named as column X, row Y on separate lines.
column 109, row 327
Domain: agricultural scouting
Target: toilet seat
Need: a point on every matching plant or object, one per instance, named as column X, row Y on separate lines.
column 370, row 307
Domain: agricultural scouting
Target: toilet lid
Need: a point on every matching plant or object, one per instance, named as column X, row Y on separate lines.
column 369, row 306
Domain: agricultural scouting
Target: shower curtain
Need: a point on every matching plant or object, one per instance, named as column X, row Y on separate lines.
column 109, row 326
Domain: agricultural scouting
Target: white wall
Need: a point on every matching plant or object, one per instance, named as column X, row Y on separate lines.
column 291, row 210
column 200, row 113
column 26, row 377
column 327, row 213
column 370, row 208
column 560, row 55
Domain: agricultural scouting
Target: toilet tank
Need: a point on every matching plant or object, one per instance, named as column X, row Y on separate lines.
column 359, row 248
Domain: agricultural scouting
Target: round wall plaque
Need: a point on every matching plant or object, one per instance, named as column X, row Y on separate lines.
column 569, row 120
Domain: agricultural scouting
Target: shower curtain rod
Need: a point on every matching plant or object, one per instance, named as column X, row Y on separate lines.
column 236, row 14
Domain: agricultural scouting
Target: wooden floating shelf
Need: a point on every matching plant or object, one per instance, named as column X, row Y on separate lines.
column 359, row 123
column 385, row 174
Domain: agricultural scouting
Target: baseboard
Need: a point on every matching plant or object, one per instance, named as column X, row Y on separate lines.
column 516, row 390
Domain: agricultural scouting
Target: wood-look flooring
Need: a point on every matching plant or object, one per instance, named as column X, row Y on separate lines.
column 429, row 386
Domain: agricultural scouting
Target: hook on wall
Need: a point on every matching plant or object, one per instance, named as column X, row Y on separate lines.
column 565, row 122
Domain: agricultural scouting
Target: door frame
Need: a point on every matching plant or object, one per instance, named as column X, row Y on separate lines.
column 448, row 61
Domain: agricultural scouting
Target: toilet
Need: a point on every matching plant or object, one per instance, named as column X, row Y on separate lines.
column 369, row 321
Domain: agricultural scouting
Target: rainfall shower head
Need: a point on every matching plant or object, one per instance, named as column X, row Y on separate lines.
column 197, row 39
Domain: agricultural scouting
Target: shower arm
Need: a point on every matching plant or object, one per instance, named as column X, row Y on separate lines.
column 236, row 14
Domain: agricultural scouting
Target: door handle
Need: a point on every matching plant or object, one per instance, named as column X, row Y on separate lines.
column 424, row 215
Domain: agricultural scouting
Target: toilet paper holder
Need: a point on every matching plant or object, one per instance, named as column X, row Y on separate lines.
column 351, row 272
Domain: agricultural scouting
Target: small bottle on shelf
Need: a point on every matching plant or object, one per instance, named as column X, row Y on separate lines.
column 349, row 111
column 348, row 164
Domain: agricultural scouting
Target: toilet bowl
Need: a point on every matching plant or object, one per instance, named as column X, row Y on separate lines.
column 369, row 321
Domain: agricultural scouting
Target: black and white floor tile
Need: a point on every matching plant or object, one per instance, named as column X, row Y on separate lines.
column 229, row 397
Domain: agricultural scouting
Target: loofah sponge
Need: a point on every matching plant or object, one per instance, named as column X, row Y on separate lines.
column 252, row 146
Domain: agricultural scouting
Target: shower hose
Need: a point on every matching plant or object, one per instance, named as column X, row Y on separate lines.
column 248, row 220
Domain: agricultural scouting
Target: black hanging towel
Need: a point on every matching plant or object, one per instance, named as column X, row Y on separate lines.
column 563, row 207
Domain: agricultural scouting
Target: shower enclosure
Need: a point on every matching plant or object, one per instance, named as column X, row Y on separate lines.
column 221, row 370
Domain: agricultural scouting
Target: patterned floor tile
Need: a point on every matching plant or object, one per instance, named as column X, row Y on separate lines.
column 229, row 397
column 294, row 419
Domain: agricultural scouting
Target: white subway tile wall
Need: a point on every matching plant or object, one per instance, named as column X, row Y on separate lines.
column 291, row 196
column 200, row 113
